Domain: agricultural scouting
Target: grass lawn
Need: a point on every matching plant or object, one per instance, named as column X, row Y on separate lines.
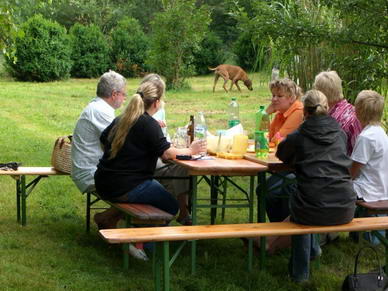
column 53, row 252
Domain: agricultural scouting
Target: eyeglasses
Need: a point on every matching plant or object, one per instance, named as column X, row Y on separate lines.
column 122, row 93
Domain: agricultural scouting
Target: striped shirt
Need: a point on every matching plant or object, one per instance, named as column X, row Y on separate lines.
column 345, row 115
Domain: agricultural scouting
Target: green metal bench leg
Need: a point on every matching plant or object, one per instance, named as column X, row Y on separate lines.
column 261, row 215
column 23, row 199
column 156, row 265
column 194, row 216
column 88, row 198
column 18, row 198
column 386, row 252
column 126, row 246
column 166, row 266
column 250, row 255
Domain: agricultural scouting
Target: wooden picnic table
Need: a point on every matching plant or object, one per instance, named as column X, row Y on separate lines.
column 23, row 190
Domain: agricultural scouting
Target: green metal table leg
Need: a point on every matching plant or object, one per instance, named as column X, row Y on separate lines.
column 262, row 183
column 251, row 197
column 225, row 189
column 213, row 198
column 18, row 197
column 166, row 266
column 23, row 199
column 194, row 217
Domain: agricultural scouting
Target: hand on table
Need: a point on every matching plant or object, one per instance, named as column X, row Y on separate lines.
column 198, row 146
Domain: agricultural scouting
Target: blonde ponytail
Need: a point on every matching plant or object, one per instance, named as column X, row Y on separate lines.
column 148, row 93
column 127, row 119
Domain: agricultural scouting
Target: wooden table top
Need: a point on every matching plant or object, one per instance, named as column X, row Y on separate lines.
column 270, row 160
column 44, row 171
column 221, row 167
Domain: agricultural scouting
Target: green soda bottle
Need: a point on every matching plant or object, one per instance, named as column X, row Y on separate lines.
column 261, row 144
column 262, row 119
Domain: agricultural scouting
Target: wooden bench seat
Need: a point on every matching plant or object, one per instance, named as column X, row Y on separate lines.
column 197, row 232
column 135, row 213
column 375, row 207
column 163, row 235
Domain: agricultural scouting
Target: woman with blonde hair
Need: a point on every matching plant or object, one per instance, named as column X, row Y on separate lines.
column 286, row 104
column 289, row 115
column 317, row 151
column 179, row 188
column 132, row 144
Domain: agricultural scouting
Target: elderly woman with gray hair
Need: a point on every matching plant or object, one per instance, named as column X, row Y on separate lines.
column 330, row 84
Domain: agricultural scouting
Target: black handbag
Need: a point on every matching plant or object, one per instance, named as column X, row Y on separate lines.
column 366, row 281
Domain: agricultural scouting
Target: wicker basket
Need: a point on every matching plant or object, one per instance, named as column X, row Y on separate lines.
column 61, row 156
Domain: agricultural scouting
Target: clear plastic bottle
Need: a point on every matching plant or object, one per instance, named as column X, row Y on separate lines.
column 200, row 128
column 234, row 113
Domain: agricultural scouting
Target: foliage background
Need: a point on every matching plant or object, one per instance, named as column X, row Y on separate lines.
column 301, row 37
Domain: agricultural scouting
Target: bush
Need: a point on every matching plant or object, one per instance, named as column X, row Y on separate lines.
column 129, row 48
column 248, row 54
column 90, row 51
column 210, row 54
column 176, row 35
column 42, row 51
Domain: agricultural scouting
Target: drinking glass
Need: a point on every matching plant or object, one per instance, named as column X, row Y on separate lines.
column 181, row 139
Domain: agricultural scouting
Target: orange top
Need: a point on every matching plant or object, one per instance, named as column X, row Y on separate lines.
column 285, row 123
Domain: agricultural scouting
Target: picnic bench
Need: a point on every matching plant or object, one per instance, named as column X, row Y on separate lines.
column 164, row 235
column 24, row 189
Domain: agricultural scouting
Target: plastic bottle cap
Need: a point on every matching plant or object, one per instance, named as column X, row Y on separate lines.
column 262, row 106
column 233, row 98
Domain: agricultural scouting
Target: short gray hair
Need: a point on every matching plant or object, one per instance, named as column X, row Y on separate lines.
column 109, row 82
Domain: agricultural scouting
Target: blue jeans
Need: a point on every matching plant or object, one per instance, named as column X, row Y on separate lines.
column 303, row 249
column 153, row 193
column 277, row 198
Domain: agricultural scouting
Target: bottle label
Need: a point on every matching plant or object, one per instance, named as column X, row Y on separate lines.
column 200, row 132
column 233, row 122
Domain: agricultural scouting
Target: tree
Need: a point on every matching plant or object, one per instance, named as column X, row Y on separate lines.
column 176, row 35
column 42, row 52
column 310, row 36
column 129, row 48
column 90, row 51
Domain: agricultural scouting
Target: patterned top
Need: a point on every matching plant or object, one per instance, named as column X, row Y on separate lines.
column 345, row 115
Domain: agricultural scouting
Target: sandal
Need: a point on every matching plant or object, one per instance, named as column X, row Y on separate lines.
column 185, row 220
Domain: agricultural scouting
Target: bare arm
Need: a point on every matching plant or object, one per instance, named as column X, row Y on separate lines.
column 196, row 147
column 355, row 169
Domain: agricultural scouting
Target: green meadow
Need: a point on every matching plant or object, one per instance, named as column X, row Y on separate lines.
column 53, row 252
